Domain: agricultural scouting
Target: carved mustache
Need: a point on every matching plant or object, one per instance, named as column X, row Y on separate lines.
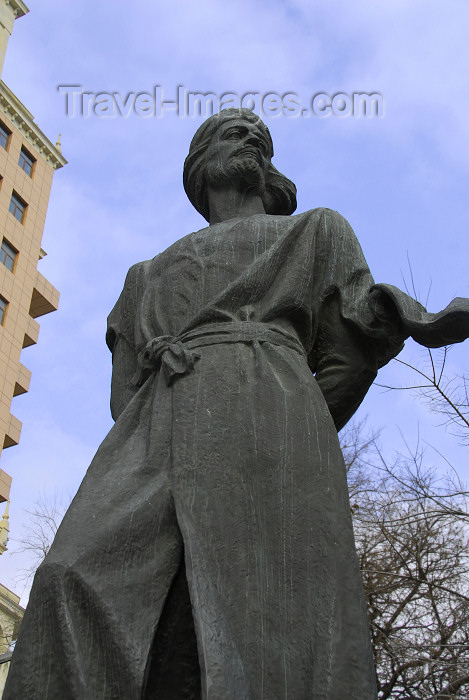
column 248, row 150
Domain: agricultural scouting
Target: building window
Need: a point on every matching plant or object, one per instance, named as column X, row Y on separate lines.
column 17, row 207
column 4, row 136
column 26, row 162
column 8, row 255
column 3, row 310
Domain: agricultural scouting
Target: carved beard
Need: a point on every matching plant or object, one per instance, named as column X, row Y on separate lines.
column 243, row 172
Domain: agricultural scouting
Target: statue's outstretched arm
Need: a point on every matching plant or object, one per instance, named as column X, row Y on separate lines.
column 350, row 348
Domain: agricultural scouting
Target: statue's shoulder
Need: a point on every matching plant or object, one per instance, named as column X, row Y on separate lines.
column 329, row 226
column 138, row 273
column 330, row 216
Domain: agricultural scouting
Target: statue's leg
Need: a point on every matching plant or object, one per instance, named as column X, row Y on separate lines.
column 85, row 637
column 174, row 671
column 261, row 499
column 98, row 596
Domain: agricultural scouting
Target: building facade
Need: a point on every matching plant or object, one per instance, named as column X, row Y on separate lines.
column 11, row 614
column 27, row 164
column 28, row 161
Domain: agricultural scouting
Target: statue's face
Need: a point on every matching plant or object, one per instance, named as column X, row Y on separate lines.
column 238, row 155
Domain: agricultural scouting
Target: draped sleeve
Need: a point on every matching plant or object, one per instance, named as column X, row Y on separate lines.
column 123, row 337
column 360, row 325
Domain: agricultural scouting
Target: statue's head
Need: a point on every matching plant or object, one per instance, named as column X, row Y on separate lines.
column 234, row 147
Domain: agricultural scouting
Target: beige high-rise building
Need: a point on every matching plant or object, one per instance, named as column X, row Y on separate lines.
column 27, row 164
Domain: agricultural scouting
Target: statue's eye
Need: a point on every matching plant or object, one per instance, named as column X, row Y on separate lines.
column 235, row 134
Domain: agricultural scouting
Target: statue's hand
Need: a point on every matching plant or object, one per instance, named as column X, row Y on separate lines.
column 446, row 327
column 431, row 330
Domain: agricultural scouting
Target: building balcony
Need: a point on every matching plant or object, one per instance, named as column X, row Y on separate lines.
column 45, row 297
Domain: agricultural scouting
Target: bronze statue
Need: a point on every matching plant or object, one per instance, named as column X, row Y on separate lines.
column 209, row 552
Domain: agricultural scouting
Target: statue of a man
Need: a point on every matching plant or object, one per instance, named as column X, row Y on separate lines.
column 209, row 552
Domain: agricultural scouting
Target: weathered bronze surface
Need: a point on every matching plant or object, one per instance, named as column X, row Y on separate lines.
column 209, row 551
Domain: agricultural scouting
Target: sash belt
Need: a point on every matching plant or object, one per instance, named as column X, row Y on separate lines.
column 176, row 356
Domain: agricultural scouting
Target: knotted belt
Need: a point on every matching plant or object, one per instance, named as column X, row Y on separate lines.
column 176, row 356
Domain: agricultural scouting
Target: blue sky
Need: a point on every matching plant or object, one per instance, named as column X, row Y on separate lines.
column 401, row 180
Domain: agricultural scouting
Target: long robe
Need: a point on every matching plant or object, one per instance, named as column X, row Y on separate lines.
column 209, row 551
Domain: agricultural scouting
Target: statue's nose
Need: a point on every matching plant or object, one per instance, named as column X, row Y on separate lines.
column 252, row 139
